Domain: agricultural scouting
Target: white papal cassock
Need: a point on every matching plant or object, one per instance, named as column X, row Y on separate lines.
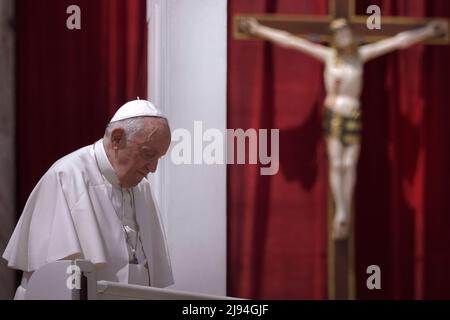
column 71, row 212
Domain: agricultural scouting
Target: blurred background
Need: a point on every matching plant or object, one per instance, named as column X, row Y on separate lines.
column 59, row 87
column 277, row 230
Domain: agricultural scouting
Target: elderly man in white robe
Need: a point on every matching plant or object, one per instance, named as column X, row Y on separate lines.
column 97, row 204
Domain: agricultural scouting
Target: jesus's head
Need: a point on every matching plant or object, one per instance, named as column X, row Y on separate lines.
column 343, row 38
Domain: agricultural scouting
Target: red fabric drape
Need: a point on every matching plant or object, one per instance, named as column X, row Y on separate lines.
column 402, row 211
column 277, row 225
column 70, row 82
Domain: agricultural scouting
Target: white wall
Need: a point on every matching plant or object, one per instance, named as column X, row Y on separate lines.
column 187, row 80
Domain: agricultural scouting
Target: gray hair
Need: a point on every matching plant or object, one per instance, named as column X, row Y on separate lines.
column 131, row 126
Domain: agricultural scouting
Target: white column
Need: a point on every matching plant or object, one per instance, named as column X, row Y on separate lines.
column 7, row 154
column 187, row 80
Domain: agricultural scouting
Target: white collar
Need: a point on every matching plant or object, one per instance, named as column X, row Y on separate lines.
column 104, row 165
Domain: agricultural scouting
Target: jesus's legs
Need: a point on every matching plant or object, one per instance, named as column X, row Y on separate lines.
column 336, row 176
column 350, row 160
column 342, row 163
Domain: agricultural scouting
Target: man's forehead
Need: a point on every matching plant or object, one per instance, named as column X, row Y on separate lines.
column 157, row 143
column 154, row 120
column 154, row 130
column 154, row 125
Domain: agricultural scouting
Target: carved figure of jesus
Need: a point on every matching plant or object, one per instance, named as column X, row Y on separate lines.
column 343, row 77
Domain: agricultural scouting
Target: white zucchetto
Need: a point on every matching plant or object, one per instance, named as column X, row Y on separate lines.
column 137, row 108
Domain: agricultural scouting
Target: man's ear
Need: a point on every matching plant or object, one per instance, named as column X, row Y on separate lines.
column 118, row 138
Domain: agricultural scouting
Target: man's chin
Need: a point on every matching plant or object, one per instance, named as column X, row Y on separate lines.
column 129, row 185
column 132, row 183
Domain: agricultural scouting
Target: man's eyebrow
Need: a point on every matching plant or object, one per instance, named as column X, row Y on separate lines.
column 150, row 152
column 148, row 149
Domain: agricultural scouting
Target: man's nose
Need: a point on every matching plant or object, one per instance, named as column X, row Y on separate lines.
column 151, row 167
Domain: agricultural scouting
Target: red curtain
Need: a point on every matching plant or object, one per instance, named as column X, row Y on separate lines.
column 70, row 82
column 402, row 210
column 277, row 224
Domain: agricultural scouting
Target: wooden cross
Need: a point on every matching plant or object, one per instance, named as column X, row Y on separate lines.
column 341, row 272
column 316, row 27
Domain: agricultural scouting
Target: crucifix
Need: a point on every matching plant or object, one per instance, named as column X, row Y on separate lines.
column 352, row 44
column 317, row 27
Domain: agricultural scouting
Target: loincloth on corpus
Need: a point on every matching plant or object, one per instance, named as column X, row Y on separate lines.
column 346, row 129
